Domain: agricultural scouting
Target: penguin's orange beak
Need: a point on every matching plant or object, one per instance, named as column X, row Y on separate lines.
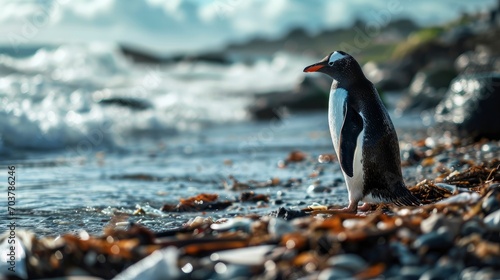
column 315, row 67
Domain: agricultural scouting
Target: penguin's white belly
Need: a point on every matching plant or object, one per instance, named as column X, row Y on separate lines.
column 356, row 182
column 336, row 120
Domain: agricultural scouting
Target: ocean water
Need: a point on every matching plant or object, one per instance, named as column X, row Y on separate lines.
column 53, row 98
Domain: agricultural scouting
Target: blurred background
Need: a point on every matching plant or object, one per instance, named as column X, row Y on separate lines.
column 160, row 67
column 108, row 106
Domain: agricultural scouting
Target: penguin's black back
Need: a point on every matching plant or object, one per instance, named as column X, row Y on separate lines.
column 380, row 152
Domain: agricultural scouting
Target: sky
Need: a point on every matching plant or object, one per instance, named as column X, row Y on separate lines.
column 180, row 26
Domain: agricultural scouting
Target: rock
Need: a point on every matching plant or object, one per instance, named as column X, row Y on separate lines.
column 404, row 255
column 439, row 273
column 437, row 221
column 229, row 271
column 440, row 239
column 141, row 55
column 310, row 94
column 470, row 108
column 424, row 57
column 473, row 273
column 468, row 273
column 386, row 76
column 21, row 244
column 161, row 264
column 427, row 88
column 477, row 61
column 472, row 226
column 289, row 214
column 237, row 223
column 315, row 188
column 278, row 227
column 492, row 221
column 491, row 203
column 240, row 256
column 350, row 262
column 132, row 103
column 334, row 273
column 464, row 197
column 412, row 272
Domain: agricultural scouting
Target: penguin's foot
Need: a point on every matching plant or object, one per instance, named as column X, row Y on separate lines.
column 352, row 208
column 365, row 207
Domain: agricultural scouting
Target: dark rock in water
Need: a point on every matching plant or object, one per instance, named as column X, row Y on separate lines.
column 470, row 107
column 288, row 214
column 427, row 88
column 386, row 76
column 141, row 55
column 478, row 61
column 132, row 103
column 310, row 94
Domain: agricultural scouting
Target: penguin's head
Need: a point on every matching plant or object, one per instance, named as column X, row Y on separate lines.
column 333, row 64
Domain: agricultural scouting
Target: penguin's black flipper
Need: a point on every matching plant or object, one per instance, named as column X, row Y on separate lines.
column 351, row 128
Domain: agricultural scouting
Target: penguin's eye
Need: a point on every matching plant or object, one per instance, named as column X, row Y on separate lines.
column 330, row 63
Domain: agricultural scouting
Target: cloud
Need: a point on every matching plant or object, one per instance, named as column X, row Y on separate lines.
column 170, row 26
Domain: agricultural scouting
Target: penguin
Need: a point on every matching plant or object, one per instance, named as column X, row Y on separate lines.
column 363, row 136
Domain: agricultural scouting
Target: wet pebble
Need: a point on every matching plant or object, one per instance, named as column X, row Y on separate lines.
column 334, row 273
column 492, row 221
column 412, row 272
column 464, row 197
column 442, row 158
column 230, row 271
column 337, row 182
column 405, row 256
column 241, row 256
column 350, row 262
column 454, row 164
column 473, row 273
column 472, row 226
column 432, row 223
column 495, row 186
column 451, row 188
column 490, row 204
column 277, row 201
column 277, row 227
column 234, row 224
column 439, row 273
column 289, row 214
column 316, row 188
column 440, row 221
column 326, row 158
column 468, row 273
column 440, row 239
column 411, row 154
column 161, row 264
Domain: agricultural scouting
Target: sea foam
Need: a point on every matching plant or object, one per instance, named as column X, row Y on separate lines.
column 73, row 95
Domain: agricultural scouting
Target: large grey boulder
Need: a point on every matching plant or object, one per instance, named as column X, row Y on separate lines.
column 471, row 107
column 427, row 89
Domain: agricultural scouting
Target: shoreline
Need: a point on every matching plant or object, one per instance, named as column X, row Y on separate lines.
column 434, row 239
